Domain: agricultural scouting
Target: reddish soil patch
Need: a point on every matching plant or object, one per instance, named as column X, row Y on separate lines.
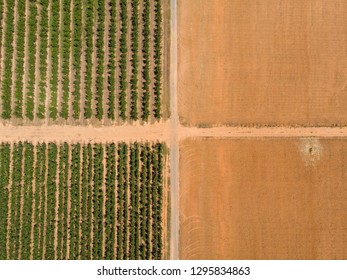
column 263, row 199
column 246, row 62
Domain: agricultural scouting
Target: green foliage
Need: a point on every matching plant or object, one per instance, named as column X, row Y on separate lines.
column 63, row 201
column 98, row 200
column 19, row 64
column 27, row 200
column 29, row 101
column 120, row 203
column 60, row 30
column 54, row 44
column 65, row 58
column 5, row 154
column 123, row 59
column 76, row 57
column 103, row 192
column 51, row 186
column 110, row 201
column 89, row 18
column 16, row 186
column 146, row 60
column 8, row 52
column 87, row 198
column 75, row 167
column 134, row 245
column 134, row 58
column 157, row 59
column 157, row 198
column 100, row 60
column 111, row 62
column 41, row 109
column 39, row 200
column 145, row 201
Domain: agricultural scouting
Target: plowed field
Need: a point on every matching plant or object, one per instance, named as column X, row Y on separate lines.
column 263, row 199
column 252, row 62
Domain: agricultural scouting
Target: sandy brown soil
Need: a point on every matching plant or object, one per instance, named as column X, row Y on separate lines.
column 262, row 62
column 263, row 199
column 82, row 134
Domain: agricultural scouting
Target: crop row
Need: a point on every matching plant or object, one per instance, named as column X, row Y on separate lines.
column 43, row 35
column 90, row 201
column 46, row 45
column 32, row 45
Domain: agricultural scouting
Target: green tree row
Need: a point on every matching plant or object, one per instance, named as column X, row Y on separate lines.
column 157, row 199
column 54, row 45
column 110, row 219
column 16, row 186
column 41, row 108
column 27, row 200
column 5, row 155
column 76, row 57
column 88, row 29
column 51, row 186
column 65, row 58
column 145, row 200
column 111, row 62
column 39, row 201
column 19, row 63
column 146, row 33
column 75, row 167
column 87, row 202
column 123, row 59
column 98, row 200
column 134, row 58
column 100, row 59
column 63, row 201
column 134, row 238
column 157, row 59
column 6, row 95
column 32, row 44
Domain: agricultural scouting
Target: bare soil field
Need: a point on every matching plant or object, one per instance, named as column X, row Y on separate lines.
column 263, row 198
column 246, row 62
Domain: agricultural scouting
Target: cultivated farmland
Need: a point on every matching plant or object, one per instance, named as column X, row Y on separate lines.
column 82, row 62
column 82, row 201
column 263, row 198
column 262, row 63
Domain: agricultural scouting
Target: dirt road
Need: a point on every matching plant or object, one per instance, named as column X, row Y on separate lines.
column 127, row 133
column 174, row 148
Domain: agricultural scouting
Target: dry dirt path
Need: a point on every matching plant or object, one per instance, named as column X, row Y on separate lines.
column 174, row 147
column 126, row 133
